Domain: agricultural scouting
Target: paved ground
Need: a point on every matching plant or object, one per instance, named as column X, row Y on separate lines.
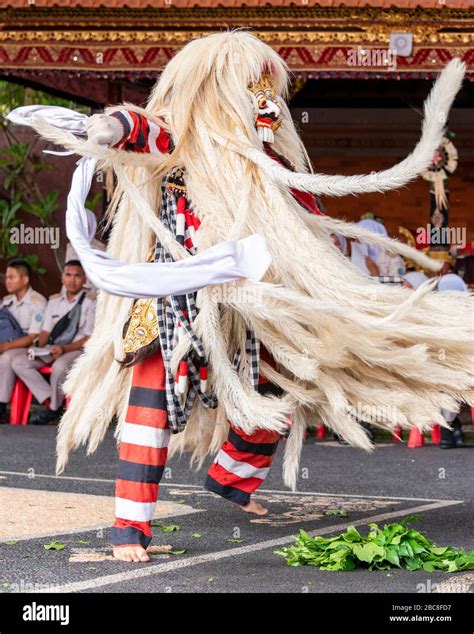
column 77, row 509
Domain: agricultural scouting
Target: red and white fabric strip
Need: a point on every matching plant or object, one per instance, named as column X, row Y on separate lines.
column 141, row 134
column 142, row 455
column 242, row 464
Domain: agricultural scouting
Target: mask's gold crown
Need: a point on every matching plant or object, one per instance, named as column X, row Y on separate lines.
column 265, row 83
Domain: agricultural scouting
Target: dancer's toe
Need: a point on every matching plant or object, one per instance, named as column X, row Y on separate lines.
column 254, row 507
column 131, row 553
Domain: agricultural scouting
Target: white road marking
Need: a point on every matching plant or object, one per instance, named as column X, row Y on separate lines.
column 186, row 510
column 33, row 475
column 186, row 562
column 350, row 495
column 199, row 487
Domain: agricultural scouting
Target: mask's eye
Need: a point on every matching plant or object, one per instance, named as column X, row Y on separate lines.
column 262, row 102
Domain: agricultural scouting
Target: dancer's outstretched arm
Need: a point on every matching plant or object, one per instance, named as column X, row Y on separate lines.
column 130, row 131
column 222, row 263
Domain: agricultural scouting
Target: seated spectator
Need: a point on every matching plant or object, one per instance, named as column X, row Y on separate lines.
column 100, row 246
column 21, row 316
column 454, row 437
column 340, row 241
column 452, row 282
column 414, row 279
column 68, row 323
column 373, row 260
column 464, row 265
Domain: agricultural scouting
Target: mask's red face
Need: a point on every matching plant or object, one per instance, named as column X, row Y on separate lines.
column 267, row 108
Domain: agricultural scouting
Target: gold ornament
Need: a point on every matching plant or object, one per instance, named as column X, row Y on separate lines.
column 143, row 325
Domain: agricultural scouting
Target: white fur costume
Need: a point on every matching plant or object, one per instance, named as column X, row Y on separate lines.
column 341, row 340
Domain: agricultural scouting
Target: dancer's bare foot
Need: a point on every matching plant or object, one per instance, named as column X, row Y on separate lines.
column 254, row 507
column 131, row 553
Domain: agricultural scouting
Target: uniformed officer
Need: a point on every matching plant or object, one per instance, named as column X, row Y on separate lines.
column 61, row 356
column 27, row 307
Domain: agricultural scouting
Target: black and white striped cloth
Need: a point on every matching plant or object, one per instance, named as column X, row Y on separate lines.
column 390, row 279
column 175, row 312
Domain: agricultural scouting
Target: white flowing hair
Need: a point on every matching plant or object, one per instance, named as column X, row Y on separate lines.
column 343, row 343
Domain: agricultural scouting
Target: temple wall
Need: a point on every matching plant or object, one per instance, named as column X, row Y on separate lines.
column 359, row 141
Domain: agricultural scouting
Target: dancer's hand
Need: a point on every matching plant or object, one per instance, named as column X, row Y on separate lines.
column 104, row 130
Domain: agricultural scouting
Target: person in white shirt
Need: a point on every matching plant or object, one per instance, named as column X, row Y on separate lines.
column 60, row 356
column 414, row 279
column 71, row 253
column 27, row 307
column 374, row 260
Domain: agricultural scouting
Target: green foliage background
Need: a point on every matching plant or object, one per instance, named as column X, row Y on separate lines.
column 20, row 165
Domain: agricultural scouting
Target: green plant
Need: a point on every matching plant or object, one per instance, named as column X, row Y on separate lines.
column 33, row 261
column 93, row 201
column 45, row 208
column 394, row 545
column 13, row 165
column 8, row 220
column 20, row 166
column 15, row 95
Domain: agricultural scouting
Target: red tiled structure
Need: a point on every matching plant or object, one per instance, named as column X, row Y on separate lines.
column 140, row 4
column 133, row 39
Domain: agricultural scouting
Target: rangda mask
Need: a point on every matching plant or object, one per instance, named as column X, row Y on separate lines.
column 267, row 108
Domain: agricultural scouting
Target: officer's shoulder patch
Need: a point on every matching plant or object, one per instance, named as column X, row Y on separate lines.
column 38, row 317
column 54, row 296
column 36, row 297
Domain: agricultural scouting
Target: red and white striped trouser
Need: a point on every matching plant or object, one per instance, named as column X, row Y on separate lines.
column 239, row 468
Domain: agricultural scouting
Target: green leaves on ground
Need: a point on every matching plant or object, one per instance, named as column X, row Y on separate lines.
column 339, row 512
column 396, row 545
column 166, row 529
column 54, row 545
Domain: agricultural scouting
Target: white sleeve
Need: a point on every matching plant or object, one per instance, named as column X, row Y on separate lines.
column 225, row 262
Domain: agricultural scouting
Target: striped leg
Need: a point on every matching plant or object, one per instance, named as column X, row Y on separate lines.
column 244, row 460
column 242, row 464
column 142, row 454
